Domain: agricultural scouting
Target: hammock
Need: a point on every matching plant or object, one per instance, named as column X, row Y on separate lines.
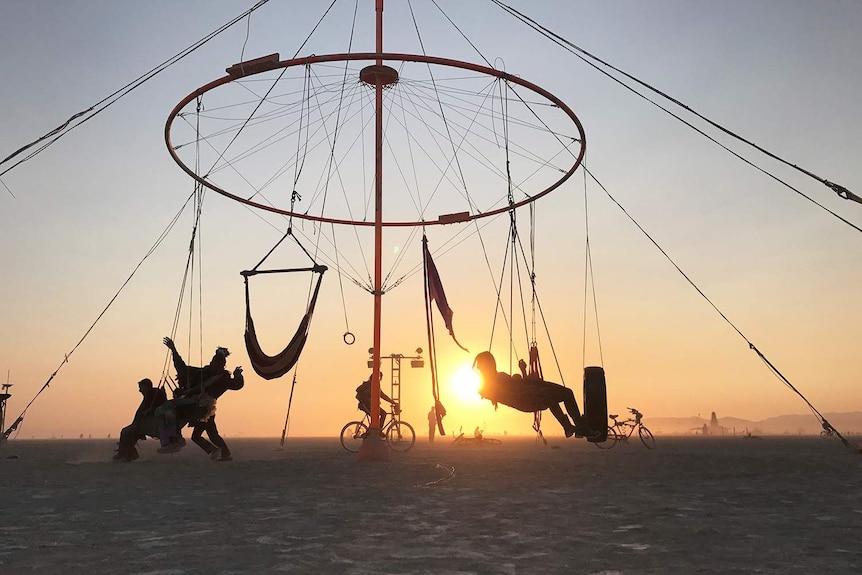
column 274, row 366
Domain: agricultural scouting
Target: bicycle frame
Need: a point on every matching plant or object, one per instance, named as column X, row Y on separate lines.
column 399, row 434
column 626, row 427
column 621, row 431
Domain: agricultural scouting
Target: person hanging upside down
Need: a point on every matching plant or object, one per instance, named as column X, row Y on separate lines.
column 530, row 394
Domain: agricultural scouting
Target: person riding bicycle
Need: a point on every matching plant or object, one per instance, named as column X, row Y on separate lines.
column 363, row 397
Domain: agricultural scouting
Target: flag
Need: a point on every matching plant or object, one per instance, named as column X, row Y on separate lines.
column 436, row 293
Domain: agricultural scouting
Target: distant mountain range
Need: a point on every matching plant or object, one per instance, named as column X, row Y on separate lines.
column 846, row 423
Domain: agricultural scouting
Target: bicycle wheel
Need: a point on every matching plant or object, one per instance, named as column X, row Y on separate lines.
column 352, row 435
column 646, row 437
column 400, row 436
column 612, row 439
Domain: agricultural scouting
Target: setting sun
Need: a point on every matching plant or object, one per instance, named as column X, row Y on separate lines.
column 465, row 384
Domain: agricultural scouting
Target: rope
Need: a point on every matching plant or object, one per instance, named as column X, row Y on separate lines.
column 448, row 476
column 589, row 281
column 289, row 403
column 826, row 425
column 102, row 104
column 580, row 53
column 66, row 357
column 188, row 273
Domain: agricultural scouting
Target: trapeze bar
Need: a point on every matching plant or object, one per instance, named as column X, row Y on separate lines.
column 317, row 268
column 250, row 67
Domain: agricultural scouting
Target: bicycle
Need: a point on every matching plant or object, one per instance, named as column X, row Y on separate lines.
column 478, row 438
column 620, row 431
column 399, row 435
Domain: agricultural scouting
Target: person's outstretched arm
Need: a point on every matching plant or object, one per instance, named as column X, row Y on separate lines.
column 179, row 364
column 238, row 381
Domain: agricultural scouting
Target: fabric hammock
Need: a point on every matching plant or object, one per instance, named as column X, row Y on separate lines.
column 274, row 366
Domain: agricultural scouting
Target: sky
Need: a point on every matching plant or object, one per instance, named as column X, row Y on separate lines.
column 77, row 219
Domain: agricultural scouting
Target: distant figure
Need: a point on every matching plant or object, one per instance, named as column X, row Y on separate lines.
column 477, row 433
column 363, row 398
column 143, row 423
column 432, row 424
column 530, row 394
column 705, row 430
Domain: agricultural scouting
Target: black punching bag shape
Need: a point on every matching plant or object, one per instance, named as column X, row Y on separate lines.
column 596, row 402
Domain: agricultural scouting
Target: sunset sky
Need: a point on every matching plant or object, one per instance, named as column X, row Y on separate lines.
column 77, row 219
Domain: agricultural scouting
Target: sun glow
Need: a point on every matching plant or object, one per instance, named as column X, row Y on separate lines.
column 465, row 384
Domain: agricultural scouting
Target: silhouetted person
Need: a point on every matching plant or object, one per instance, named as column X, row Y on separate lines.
column 144, row 422
column 215, row 387
column 530, row 394
column 363, row 397
column 432, row 424
column 188, row 376
column 197, row 390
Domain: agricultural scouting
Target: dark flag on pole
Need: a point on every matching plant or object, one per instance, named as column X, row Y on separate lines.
column 436, row 293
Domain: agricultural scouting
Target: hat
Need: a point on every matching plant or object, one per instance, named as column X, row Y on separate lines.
column 222, row 351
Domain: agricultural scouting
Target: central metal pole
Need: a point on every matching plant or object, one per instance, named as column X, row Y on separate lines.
column 372, row 447
column 378, row 227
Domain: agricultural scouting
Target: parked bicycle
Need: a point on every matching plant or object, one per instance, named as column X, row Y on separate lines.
column 620, row 431
column 399, row 435
column 477, row 439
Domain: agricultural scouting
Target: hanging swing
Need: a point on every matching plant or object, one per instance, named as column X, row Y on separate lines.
column 594, row 389
column 275, row 366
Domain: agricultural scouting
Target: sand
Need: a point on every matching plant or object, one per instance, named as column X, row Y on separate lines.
column 692, row 505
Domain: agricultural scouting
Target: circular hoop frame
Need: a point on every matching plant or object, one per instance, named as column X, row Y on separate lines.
column 392, row 57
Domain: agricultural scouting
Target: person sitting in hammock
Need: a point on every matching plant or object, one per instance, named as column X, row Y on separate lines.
column 189, row 404
column 530, row 394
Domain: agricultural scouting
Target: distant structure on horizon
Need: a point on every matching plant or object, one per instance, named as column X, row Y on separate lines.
column 711, row 428
column 714, row 427
column 3, row 397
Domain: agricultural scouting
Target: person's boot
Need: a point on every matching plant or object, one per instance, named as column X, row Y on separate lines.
column 126, row 453
column 583, row 429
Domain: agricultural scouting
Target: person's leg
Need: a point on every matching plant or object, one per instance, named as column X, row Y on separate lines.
column 212, row 433
column 126, row 450
column 165, row 418
column 557, row 411
column 197, row 437
column 167, row 428
column 568, row 398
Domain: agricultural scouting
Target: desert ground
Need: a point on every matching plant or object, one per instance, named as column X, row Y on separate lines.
column 729, row 505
